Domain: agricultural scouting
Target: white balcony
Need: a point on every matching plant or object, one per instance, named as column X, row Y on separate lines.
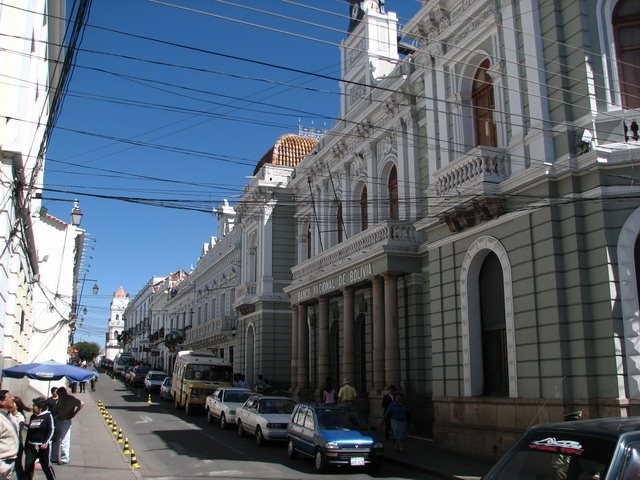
column 473, row 175
column 212, row 332
column 387, row 237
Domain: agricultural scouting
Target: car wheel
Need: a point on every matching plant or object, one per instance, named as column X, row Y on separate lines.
column 375, row 467
column 210, row 418
column 291, row 451
column 240, row 429
column 176, row 403
column 259, row 437
column 320, row 461
column 223, row 422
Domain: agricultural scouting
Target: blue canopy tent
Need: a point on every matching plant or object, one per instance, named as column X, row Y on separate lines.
column 49, row 370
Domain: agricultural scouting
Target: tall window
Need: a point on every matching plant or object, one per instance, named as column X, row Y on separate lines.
column 309, row 239
column 483, row 106
column 626, row 27
column 494, row 331
column 394, row 213
column 339, row 221
column 364, row 210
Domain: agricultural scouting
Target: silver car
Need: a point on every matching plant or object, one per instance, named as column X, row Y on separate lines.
column 222, row 404
column 265, row 417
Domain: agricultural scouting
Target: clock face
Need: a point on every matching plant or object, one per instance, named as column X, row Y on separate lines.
column 372, row 5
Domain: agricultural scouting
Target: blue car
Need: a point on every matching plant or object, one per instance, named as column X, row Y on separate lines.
column 333, row 435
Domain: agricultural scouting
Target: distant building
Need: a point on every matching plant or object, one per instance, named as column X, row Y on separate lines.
column 119, row 303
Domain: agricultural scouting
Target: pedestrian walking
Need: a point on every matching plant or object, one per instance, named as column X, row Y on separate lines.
column 9, row 439
column 387, row 400
column 83, row 386
column 68, row 407
column 347, row 393
column 329, row 392
column 93, row 382
column 38, row 442
column 399, row 414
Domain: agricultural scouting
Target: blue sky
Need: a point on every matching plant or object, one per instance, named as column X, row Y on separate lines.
column 174, row 103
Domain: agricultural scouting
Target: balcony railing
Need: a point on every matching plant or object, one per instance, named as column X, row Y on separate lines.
column 392, row 235
column 474, row 174
column 245, row 297
column 211, row 332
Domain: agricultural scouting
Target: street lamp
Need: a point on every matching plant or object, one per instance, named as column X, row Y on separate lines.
column 76, row 214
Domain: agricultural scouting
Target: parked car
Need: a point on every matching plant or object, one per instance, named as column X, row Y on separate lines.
column 265, row 417
column 165, row 389
column 333, row 435
column 584, row 449
column 153, row 380
column 136, row 377
column 222, row 404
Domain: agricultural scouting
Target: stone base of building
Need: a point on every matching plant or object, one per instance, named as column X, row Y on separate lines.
column 486, row 427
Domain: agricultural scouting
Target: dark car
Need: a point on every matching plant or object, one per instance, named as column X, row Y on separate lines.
column 333, row 435
column 138, row 374
column 580, row 450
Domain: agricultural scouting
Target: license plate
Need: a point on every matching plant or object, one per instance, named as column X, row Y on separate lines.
column 357, row 461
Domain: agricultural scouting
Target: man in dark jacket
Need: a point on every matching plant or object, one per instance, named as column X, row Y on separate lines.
column 387, row 400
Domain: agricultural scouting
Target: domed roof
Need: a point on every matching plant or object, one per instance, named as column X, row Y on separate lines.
column 289, row 150
column 120, row 293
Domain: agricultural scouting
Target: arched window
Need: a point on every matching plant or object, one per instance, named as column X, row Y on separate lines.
column 309, row 240
column 364, row 211
column 626, row 27
column 394, row 213
column 483, row 105
column 492, row 317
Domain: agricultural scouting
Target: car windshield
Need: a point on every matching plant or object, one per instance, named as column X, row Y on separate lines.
column 237, row 397
column 556, row 456
column 276, row 406
column 157, row 376
column 340, row 419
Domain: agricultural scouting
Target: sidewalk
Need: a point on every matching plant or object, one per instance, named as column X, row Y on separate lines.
column 421, row 455
column 94, row 453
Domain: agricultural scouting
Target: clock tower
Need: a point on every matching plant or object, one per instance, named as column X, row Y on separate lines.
column 119, row 302
column 369, row 53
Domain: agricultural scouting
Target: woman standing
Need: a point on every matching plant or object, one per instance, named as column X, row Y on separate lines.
column 17, row 415
column 329, row 392
column 399, row 415
column 38, row 441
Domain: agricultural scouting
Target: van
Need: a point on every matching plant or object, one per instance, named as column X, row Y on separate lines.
column 122, row 362
column 197, row 375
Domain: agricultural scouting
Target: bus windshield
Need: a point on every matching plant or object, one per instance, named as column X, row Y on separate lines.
column 126, row 361
column 209, row 373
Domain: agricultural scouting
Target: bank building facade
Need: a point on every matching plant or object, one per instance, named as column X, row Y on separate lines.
column 468, row 230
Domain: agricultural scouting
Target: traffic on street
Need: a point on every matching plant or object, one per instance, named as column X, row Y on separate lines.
column 170, row 444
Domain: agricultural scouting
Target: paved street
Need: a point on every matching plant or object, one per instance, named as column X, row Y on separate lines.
column 168, row 444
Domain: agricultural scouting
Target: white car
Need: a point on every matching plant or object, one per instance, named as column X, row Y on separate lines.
column 153, row 380
column 222, row 404
column 165, row 389
column 265, row 417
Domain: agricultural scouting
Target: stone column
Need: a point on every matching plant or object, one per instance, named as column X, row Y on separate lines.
column 323, row 342
column 378, row 333
column 303, row 348
column 348, row 353
column 294, row 347
column 391, row 347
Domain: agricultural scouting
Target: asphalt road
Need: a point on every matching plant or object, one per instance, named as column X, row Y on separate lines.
column 168, row 444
